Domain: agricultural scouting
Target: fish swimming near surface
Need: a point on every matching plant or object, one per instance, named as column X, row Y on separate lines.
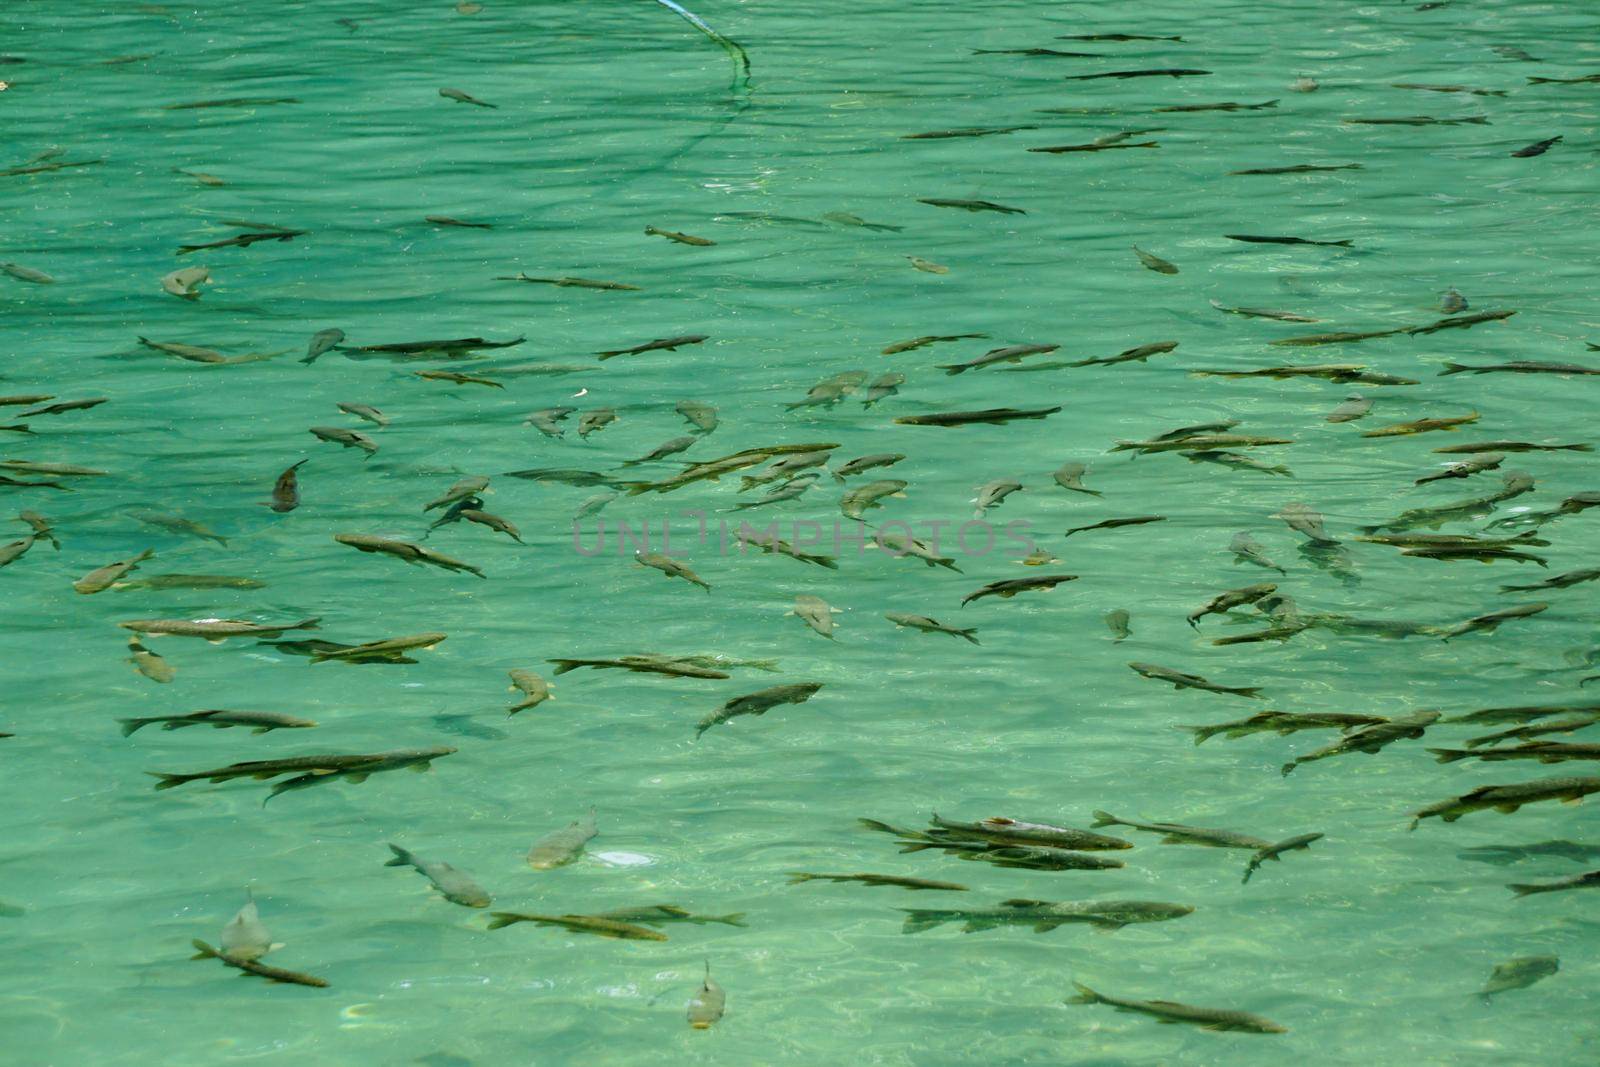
column 1168, row 1011
column 1507, row 799
column 254, row 967
column 258, row 722
column 1180, row 680
column 561, row 847
column 578, row 924
column 1010, row 587
column 759, row 703
column 708, row 1004
column 453, row 885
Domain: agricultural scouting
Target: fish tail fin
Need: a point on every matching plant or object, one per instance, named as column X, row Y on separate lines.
column 497, row 919
column 968, row 635
column 948, row 563
column 308, row 624
column 204, row 951
column 1445, row 755
column 918, row 920
column 1523, row 890
column 1085, row 995
column 1452, row 368
column 607, row 355
column 796, row 877
column 130, row 725
column 1269, row 103
column 732, row 919
column 881, row 827
column 1253, row 691
column 402, row 858
column 1202, row 734
column 168, row 781
column 1105, row 818
column 1540, row 81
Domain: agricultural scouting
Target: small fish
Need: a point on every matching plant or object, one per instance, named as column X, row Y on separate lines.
column 844, row 218
column 234, row 101
column 1487, row 461
column 1168, row 1011
column 312, row 770
column 1233, row 598
column 446, row 220
column 458, row 378
column 245, row 937
column 407, row 551
column 26, row 274
column 365, row 412
column 578, row 924
column 1180, row 680
column 1273, row 852
column 928, row 266
column 972, row 205
column 1154, row 263
column 884, row 386
column 185, row 283
column 681, row 238
column 1416, row 426
column 1559, row 581
column 149, row 664
column 1587, row 880
column 903, row 544
column 1506, row 799
column 1131, row 355
column 660, row 344
column 204, row 951
column 1264, row 313
column 390, row 649
column 815, row 613
column 670, row 666
column 986, row 131
column 1298, row 168
column 464, row 488
column 702, row 417
column 759, row 703
column 991, row 494
column 535, row 690
column 1502, row 855
column 1580, row 80
column 798, row 877
column 1282, row 723
column 929, row 339
column 213, row 630
column 571, row 283
column 1070, row 476
column 1522, row 366
column 869, row 495
column 561, row 847
column 1173, row 833
column 929, row 626
column 1101, row 145
column 1301, row 519
column 862, row 464
column 671, row 568
column 1421, row 120
column 191, row 581
column 661, row 914
column 1010, row 587
column 1448, row 89
column 708, row 1004
column 259, row 722
column 1114, row 37
column 1258, row 240
column 1537, row 148
column 991, row 416
column 464, row 98
column 243, row 240
column 1166, row 72
column 62, row 408
column 1111, row 524
column 338, row 435
column 453, row 885
column 102, row 578
column 322, row 341
column 1519, row 973
column 1355, row 407
column 286, row 490
column 1370, row 739
column 1009, row 354
column 1460, row 322
column 592, row 505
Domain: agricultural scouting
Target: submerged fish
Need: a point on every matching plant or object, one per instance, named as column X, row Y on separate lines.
column 1169, row 1011
column 560, row 847
column 797, row 877
column 759, row 703
column 708, row 1004
column 1181, row 680
column 453, row 885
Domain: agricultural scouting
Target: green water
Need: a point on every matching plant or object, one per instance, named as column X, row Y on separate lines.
column 616, row 116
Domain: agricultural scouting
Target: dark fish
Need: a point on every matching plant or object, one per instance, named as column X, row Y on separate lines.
column 1044, row 916
column 286, row 490
column 1586, row 880
column 680, row 238
column 759, row 703
column 1180, row 680
column 1111, row 524
column 1008, row 354
column 972, row 205
column 244, row 240
column 1298, row 168
column 578, row 924
column 1460, row 322
column 920, row 342
column 982, row 131
column 446, row 220
column 570, row 283
column 458, row 378
column 1173, row 833
column 1273, row 852
column 1228, row 105
column 1421, row 120
column 1165, row 72
column 1282, row 723
column 1256, row 240
column 1131, row 355
column 232, row 101
column 1502, row 855
column 672, row 668
column 1094, row 146
column 454, row 348
column 1506, row 799
column 1168, row 1011
column 660, row 344
column 407, row 551
column 1537, row 148
column 1543, row 751
column 464, row 98
column 995, row 416
column 1371, row 739
column 797, row 877
column 1580, row 80
column 1520, row 366
column 1010, row 587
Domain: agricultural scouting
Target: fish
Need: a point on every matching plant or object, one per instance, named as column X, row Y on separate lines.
column 928, row 266
column 1136, row 355
column 1421, row 120
column 1101, row 145
column 1004, row 831
column 454, row 348
column 322, row 341
column 1169, row 1011
column 102, row 578
column 660, row 344
column 1559, row 581
column 1448, row 89
column 458, row 378
column 1259, row 240
column 1401, row 429
column 680, row 238
column 869, row 495
column 1264, row 313
column 1226, row 105
column 204, row 951
column 244, row 240
column 455, row 886
column 561, row 847
column 214, row 630
column 831, row 390
column 338, row 435
column 1298, row 168
column 149, row 664
column 1523, row 714
column 1178, row 834
column 534, row 689
column 311, row 770
column 1009, row 354
column 1581, row 80
column 234, row 101
column 1519, row 973
column 862, row 464
column 1283, row 723
column 45, row 168
column 1030, row 52
column 578, row 924
column 62, row 408
column 447, row 220
column 1557, row 726
column 927, row 625
column 671, row 568
column 1487, row 461
column 1114, row 37
column 407, row 551
column 844, row 218
column 1017, row 857
column 815, row 613
column 42, row 530
column 702, row 417
column 708, row 1004
column 1586, row 880
column 26, row 274
column 1460, row 322
column 883, row 387
column 992, row 416
column 929, row 339
column 1301, row 519
column 366, row 412
column 245, row 937
column 972, row 205
column 670, row 666
column 1010, row 587
column 1516, row 484
column 1070, row 476
column 985, row 131
column 1342, row 373
column 991, row 494
column 1452, row 302
column 1165, row 72
column 1355, row 407
column 1274, row 851
column 772, row 544
column 259, row 722
column 1111, row 524
column 759, row 703
column 571, row 283
column 390, row 648
column 661, row 914
column 1543, row 751
column 1245, row 549
column 799, row 877
column 545, row 420
column 1238, row 460
column 463, row 489
column 1537, row 148
column 1044, row 916
column 1201, row 443
column 1370, row 739
column 1520, row 366
column 201, row 177
column 191, row 581
column 903, row 544
column 1502, row 855
column 464, row 98
column 1506, row 799
column 1116, row 621
column 1181, row 680
column 286, row 490
column 1502, row 446
column 1233, row 598
column 184, row 283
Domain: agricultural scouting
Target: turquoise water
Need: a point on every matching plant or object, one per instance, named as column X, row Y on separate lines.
column 613, row 117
